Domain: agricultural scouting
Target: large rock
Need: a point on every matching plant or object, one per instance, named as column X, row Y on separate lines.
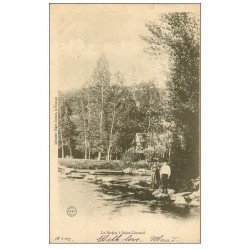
column 161, row 195
column 196, row 183
column 195, row 196
column 179, row 195
column 137, row 187
column 76, row 175
column 170, row 191
column 194, row 203
column 68, row 171
column 127, row 171
column 157, row 191
column 180, row 201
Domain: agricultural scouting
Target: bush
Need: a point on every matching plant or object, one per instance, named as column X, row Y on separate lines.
column 140, row 164
column 131, row 155
column 91, row 164
column 149, row 153
column 98, row 165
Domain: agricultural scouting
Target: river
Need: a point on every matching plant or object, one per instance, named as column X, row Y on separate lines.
column 113, row 210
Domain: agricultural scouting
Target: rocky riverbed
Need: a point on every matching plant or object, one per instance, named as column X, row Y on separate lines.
column 137, row 189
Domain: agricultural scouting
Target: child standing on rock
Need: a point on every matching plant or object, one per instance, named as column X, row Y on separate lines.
column 165, row 173
column 155, row 174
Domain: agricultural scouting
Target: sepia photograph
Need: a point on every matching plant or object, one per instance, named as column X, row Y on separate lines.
column 125, row 123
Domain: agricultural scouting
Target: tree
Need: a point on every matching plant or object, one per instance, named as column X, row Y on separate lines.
column 66, row 126
column 177, row 35
column 101, row 81
column 150, row 106
column 81, row 119
column 119, row 110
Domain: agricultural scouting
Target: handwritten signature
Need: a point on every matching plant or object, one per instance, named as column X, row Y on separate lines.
column 164, row 239
column 117, row 238
column 135, row 239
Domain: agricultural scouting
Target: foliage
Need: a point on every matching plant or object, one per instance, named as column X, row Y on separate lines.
column 131, row 155
column 159, row 152
column 66, row 127
column 149, row 153
column 91, row 164
column 104, row 117
column 98, row 165
column 150, row 104
column 177, row 35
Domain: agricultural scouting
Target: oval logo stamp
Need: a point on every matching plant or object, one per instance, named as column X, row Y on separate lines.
column 71, row 211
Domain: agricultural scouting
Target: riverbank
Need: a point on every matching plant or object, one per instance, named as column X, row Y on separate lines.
column 99, row 165
column 138, row 168
column 138, row 187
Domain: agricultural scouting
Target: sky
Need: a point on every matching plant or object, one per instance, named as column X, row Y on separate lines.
column 80, row 33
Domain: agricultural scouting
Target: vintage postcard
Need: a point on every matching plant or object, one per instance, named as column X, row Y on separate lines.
column 125, row 123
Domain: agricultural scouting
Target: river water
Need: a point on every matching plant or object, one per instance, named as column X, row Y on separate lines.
column 101, row 209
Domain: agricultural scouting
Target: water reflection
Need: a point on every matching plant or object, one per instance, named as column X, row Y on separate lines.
column 97, row 197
